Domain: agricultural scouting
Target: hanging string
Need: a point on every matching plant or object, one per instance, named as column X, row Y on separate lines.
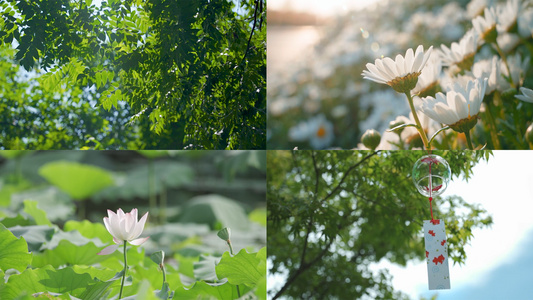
column 433, row 221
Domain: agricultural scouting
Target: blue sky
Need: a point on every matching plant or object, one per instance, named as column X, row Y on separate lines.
column 508, row 281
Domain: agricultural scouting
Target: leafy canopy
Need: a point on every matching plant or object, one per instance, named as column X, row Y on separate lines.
column 333, row 213
column 136, row 74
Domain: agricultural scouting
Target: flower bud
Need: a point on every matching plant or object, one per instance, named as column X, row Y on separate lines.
column 395, row 123
column 224, row 234
column 529, row 134
column 371, row 139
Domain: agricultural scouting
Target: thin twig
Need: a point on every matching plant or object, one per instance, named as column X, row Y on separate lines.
column 251, row 33
column 348, row 172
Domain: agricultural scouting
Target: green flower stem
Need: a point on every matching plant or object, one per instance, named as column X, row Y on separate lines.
column 151, row 187
column 163, row 206
column 417, row 121
column 230, row 247
column 164, row 273
column 502, row 55
column 468, row 140
column 231, row 252
column 125, row 268
column 493, row 131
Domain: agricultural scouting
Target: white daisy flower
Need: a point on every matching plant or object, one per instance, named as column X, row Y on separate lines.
column 485, row 26
column 525, row 23
column 462, row 53
column 429, row 79
column 475, row 7
column 508, row 14
column 490, row 69
column 518, row 67
column 527, row 95
column 318, row 130
column 459, row 107
column 401, row 74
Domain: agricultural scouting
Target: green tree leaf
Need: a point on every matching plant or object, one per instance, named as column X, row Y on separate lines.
column 13, row 251
column 331, row 214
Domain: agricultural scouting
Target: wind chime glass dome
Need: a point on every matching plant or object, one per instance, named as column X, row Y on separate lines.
column 431, row 175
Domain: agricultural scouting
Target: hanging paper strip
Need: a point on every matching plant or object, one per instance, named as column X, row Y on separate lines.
column 436, row 255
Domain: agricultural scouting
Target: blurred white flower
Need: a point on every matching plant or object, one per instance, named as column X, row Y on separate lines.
column 458, row 106
column 525, row 23
column 527, row 95
column 382, row 107
column 318, row 130
column 411, row 135
column 462, row 53
column 485, row 26
column 401, row 74
column 490, row 69
column 476, row 7
column 507, row 14
column 124, row 227
column 430, row 76
column 518, row 67
column 508, row 41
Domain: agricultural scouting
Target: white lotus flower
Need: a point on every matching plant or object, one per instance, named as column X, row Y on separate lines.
column 459, row 107
column 402, row 73
column 124, row 227
column 527, row 95
column 462, row 53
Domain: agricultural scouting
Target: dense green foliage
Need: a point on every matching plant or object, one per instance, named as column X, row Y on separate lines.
column 133, row 74
column 333, row 213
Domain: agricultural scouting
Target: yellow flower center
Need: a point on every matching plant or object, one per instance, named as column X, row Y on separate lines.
column 406, row 83
column 465, row 125
column 467, row 61
column 321, row 132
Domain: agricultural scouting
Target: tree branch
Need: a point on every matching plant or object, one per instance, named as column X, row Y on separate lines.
column 348, row 172
column 316, row 172
column 251, row 33
column 301, row 269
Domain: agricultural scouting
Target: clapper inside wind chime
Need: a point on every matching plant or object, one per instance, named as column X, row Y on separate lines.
column 431, row 174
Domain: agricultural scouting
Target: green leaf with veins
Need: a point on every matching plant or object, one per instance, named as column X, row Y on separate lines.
column 46, row 279
column 13, row 251
column 243, row 268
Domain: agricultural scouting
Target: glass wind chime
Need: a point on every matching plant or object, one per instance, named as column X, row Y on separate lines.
column 431, row 175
